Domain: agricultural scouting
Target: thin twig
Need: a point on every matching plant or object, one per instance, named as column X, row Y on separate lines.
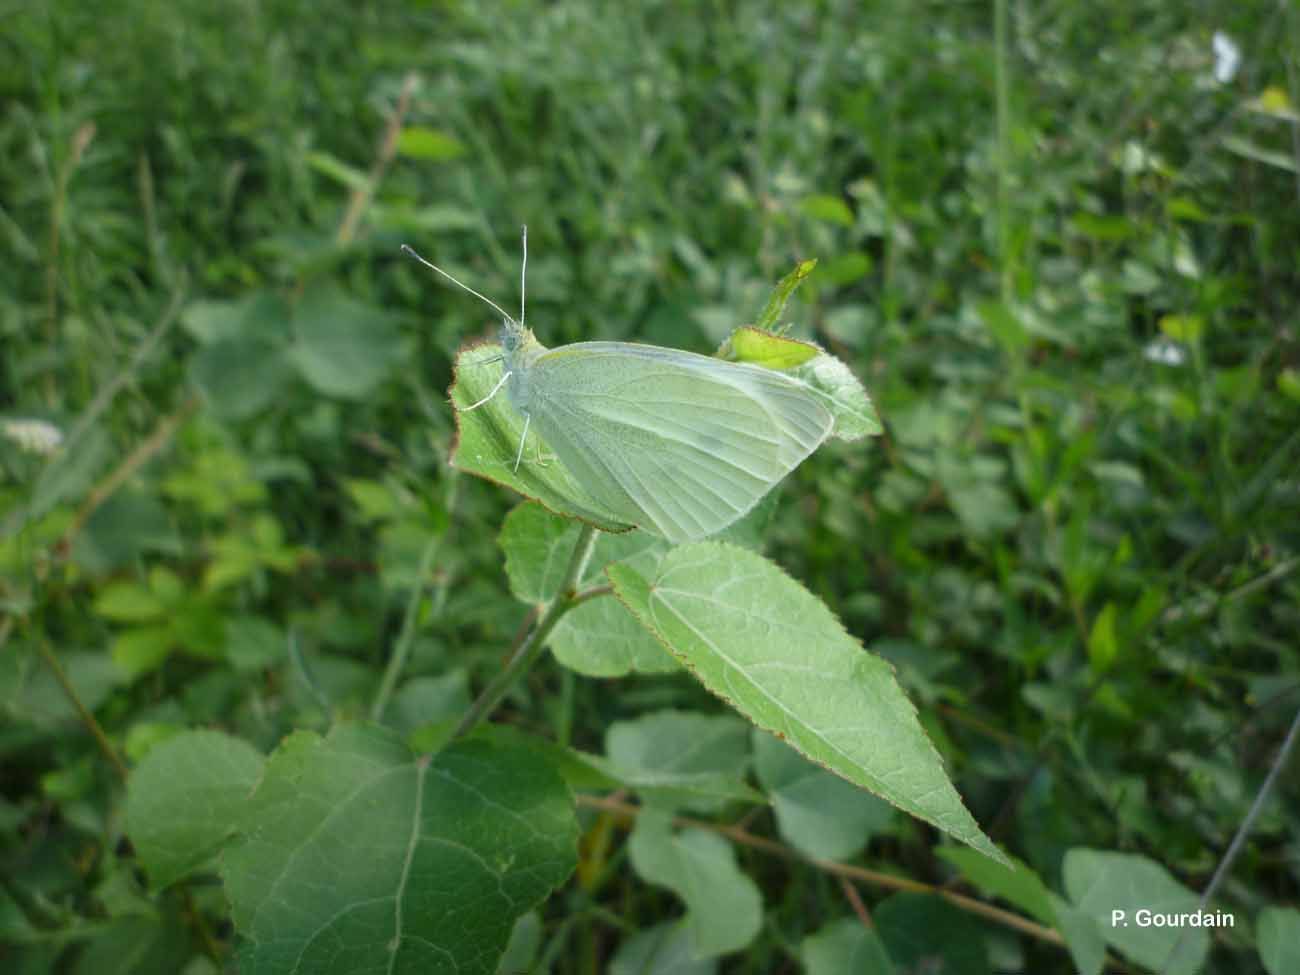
column 1239, row 840
column 80, row 141
column 88, row 719
column 627, row 814
column 1279, row 761
column 595, row 591
column 1204, row 607
column 146, row 450
column 1289, row 60
column 362, row 195
column 402, row 649
column 200, row 923
column 855, row 901
column 1003, row 120
column 109, row 390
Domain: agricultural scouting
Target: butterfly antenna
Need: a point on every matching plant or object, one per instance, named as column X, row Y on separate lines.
column 523, row 278
column 464, row 287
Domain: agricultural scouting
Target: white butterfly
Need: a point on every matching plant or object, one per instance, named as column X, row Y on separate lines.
column 676, row 443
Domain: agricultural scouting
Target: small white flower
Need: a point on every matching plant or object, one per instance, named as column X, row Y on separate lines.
column 38, row 436
column 1166, row 352
column 1227, row 57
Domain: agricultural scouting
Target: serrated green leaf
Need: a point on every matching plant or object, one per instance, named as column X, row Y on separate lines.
column 682, row 759
column 581, row 770
column 855, row 416
column 145, row 736
column 846, row 945
column 600, row 638
column 356, row 856
column 1017, row 883
column 1100, row 882
column 1277, row 931
column 818, row 813
column 184, row 798
column 771, row 649
column 723, row 906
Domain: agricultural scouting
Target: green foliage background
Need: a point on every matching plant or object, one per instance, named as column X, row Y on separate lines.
column 1062, row 258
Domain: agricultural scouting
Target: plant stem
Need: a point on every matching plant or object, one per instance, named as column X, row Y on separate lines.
column 80, row 140
column 626, row 813
column 531, row 648
column 362, row 196
column 1238, row 841
column 402, row 649
column 88, row 719
column 149, row 447
column 1003, row 148
column 104, row 397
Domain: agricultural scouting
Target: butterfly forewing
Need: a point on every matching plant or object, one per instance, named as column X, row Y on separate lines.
column 678, row 443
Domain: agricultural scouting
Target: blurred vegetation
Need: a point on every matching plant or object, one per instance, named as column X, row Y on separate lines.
column 1063, row 257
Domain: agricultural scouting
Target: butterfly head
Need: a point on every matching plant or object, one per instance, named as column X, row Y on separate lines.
column 512, row 336
column 519, row 347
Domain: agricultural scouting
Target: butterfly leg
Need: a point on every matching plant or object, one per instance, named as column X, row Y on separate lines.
column 495, row 390
column 519, row 456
